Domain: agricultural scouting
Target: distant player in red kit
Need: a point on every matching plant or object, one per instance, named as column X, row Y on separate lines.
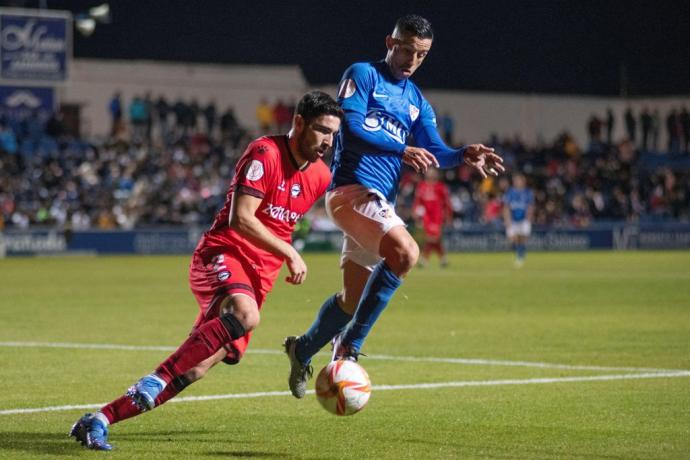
column 236, row 262
column 432, row 205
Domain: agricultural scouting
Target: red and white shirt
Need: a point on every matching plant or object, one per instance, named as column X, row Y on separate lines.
column 267, row 170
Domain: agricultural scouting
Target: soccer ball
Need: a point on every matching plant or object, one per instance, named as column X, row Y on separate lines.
column 343, row 387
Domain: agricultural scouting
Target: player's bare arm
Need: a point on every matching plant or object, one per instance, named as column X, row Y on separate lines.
column 243, row 220
column 484, row 159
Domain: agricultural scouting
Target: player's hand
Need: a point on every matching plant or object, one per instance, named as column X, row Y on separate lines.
column 297, row 269
column 420, row 159
column 484, row 160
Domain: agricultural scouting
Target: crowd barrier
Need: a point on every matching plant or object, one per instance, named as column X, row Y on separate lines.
column 477, row 238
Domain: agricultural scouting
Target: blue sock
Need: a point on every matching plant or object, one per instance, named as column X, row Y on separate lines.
column 328, row 323
column 379, row 289
column 521, row 251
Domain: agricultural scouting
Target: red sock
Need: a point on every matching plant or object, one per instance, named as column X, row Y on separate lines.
column 123, row 407
column 203, row 343
column 120, row 409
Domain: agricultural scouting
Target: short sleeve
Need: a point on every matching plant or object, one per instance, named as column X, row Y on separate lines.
column 256, row 169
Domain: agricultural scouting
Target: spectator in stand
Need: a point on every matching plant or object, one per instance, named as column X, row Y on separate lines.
column 656, row 126
column 630, row 125
column 115, row 109
column 163, row 110
column 581, row 215
column 55, row 126
column 229, row 126
column 8, row 140
column 264, row 116
column 282, row 116
column 148, row 122
column 193, row 116
column 180, row 109
column 610, row 123
column 646, row 125
column 138, row 116
column 685, row 129
column 594, row 126
column 210, row 114
column 673, row 127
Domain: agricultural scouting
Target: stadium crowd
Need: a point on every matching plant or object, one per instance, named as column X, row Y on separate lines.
column 162, row 167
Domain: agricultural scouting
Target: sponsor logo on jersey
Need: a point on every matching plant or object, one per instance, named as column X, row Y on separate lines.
column 295, row 190
column 281, row 213
column 347, row 88
column 255, row 170
column 377, row 121
column 414, row 112
column 222, row 276
column 379, row 95
column 281, row 187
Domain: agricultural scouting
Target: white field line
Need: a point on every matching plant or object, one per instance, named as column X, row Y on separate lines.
column 413, row 386
column 427, row 359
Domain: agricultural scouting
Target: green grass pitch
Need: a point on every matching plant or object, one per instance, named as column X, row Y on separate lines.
column 618, row 324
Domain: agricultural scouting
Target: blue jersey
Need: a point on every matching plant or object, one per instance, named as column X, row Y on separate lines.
column 518, row 201
column 380, row 114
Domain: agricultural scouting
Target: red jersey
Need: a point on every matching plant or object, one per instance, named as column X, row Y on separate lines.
column 432, row 202
column 267, row 170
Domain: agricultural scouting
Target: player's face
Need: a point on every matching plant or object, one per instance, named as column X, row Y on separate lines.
column 315, row 139
column 405, row 54
column 519, row 181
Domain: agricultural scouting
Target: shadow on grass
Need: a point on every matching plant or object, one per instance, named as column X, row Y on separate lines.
column 38, row 443
column 60, row 444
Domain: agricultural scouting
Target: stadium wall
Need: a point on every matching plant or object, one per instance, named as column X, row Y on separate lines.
column 93, row 83
column 183, row 241
column 477, row 115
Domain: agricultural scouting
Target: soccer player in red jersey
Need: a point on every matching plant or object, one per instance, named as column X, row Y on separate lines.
column 234, row 266
column 432, row 205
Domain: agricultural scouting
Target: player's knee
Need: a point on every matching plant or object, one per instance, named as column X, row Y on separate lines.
column 246, row 313
column 408, row 256
column 195, row 373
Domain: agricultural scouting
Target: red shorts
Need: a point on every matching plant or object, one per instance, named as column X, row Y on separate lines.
column 433, row 230
column 220, row 277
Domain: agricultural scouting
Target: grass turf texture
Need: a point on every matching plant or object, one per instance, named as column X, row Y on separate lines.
column 599, row 308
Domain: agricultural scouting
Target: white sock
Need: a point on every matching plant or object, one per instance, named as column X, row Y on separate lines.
column 99, row 415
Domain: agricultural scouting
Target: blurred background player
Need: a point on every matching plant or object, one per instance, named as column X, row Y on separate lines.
column 518, row 213
column 432, row 206
column 237, row 261
column 382, row 108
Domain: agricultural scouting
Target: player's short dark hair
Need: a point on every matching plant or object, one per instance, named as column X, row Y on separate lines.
column 415, row 25
column 317, row 103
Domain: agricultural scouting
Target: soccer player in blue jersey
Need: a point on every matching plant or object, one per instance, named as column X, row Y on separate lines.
column 383, row 107
column 518, row 211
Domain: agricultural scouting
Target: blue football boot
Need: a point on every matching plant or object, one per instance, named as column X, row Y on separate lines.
column 145, row 391
column 91, row 432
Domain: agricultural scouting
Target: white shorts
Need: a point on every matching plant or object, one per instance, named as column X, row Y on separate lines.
column 364, row 216
column 522, row 228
